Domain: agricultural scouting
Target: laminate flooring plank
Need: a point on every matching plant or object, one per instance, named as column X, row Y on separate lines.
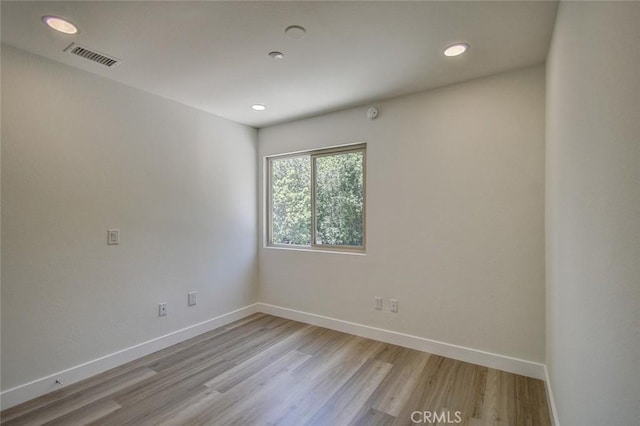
column 220, row 338
column 345, row 404
column 252, row 365
column 182, row 378
column 87, row 413
column 243, row 321
column 258, row 331
column 481, row 387
column 313, row 381
column 157, row 396
column 396, row 390
column 466, row 392
column 205, row 339
column 319, row 379
column 171, row 383
column 458, row 393
column 443, row 383
column 234, row 351
column 494, row 408
column 530, row 397
column 251, row 407
column 76, row 401
column 225, row 406
column 325, row 340
column 181, row 410
column 425, row 386
column 326, row 349
column 539, row 404
column 69, row 391
column 212, row 362
column 372, row 417
column 205, row 369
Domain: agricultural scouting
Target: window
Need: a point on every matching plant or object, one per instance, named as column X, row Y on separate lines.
column 317, row 198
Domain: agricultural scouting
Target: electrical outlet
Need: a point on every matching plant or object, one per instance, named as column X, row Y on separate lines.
column 162, row 309
column 378, row 303
column 192, row 298
column 394, row 305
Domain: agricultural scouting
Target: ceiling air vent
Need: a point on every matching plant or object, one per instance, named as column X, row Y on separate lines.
column 92, row 55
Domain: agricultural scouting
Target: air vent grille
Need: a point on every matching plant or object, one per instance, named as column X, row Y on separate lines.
column 92, row 55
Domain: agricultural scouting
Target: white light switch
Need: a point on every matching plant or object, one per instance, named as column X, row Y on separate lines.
column 113, row 237
column 192, row 299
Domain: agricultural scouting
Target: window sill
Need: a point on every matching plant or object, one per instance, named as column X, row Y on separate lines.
column 318, row 250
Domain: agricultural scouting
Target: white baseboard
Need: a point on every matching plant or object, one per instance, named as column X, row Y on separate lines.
column 461, row 353
column 550, row 400
column 41, row 386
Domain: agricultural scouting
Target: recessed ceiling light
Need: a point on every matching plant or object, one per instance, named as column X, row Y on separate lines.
column 456, row 49
column 295, row 32
column 60, row 24
column 276, row 55
column 258, row 107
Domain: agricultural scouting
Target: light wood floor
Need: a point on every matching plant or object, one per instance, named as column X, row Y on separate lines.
column 265, row 370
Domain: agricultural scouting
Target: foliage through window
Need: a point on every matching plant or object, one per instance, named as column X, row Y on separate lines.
column 317, row 198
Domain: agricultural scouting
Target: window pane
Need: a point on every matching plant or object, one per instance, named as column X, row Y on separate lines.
column 339, row 199
column 291, row 192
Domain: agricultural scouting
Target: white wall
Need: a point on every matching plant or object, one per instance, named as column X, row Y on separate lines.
column 593, row 213
column 81, row 154
column 455, row 225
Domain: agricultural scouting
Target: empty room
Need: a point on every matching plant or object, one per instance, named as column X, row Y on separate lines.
column 320, row 213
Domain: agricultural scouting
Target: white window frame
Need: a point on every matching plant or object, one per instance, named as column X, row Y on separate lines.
column 314, row 154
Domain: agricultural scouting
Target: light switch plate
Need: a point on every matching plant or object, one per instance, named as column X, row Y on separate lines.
column 113, row 237
column 192, row 298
